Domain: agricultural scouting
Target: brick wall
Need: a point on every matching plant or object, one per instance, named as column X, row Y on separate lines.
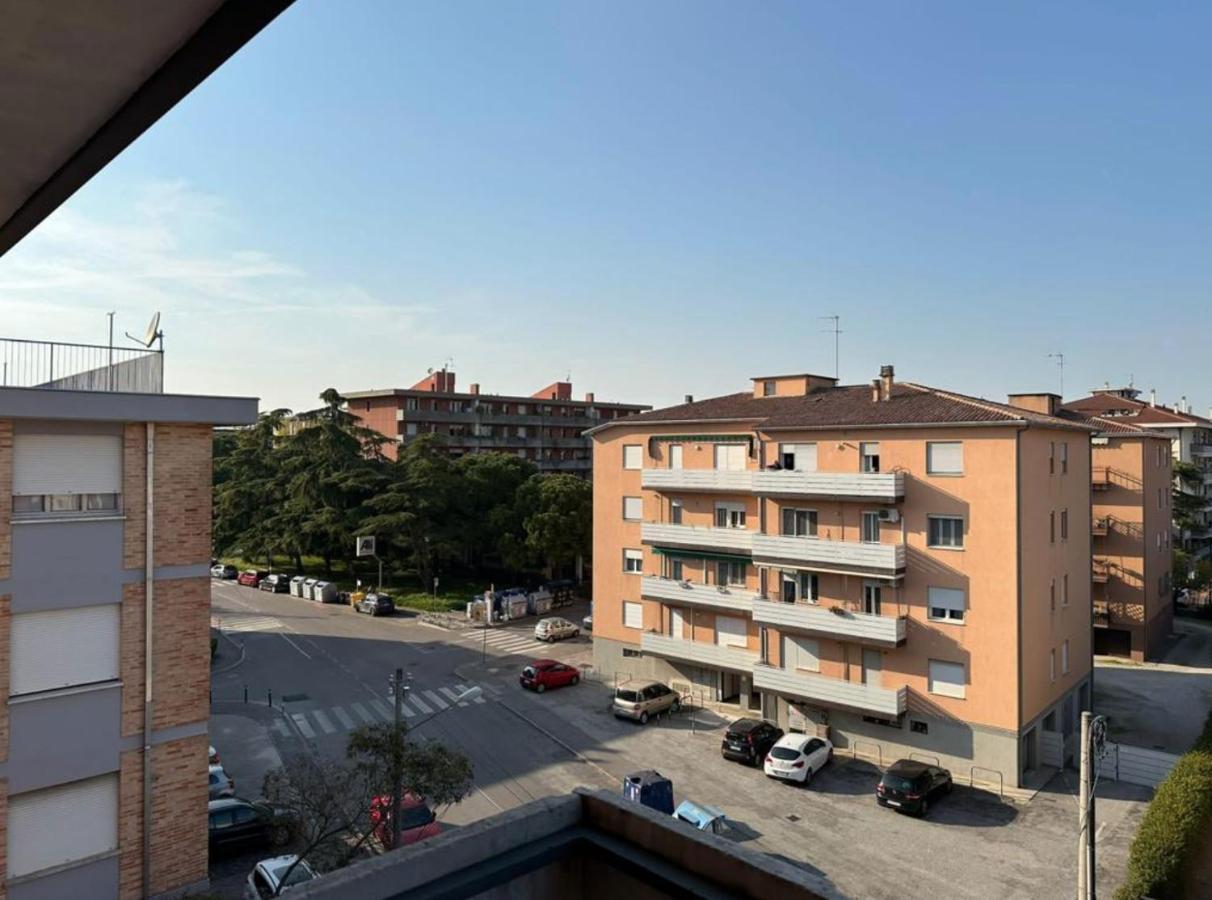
column 130, row 824
column 6, row 492
column 134, row 494
column 182, row 654
column 183, row 494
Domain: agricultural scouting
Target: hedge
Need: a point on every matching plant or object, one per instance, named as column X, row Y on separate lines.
column 1173, row 827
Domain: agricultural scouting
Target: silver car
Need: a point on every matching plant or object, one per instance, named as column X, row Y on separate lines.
column 644, row 699
column 555, row 629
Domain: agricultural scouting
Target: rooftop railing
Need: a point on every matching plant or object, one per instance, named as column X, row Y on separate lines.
column 53, row 365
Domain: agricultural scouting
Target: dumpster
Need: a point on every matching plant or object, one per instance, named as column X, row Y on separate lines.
column 324, row 592
column 516, row 606
column 649, row 788
column 308, row 584
column 702, row 816
column 538, row 602
column 296, row 586
column 563, row 591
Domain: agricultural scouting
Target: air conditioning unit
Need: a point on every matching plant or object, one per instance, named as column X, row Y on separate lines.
column 890, row 515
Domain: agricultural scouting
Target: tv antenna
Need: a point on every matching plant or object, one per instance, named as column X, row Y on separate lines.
column 836, row 331
column 151, row 335
column 1060, row 364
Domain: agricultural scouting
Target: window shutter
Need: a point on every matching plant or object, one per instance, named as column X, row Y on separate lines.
column 947, row 678
column 64, row 647
column 731, row 631
column 62, row 824
column 801, row 653
column 67, row 464
column 945, row 457
column 633, row 508
column 633, row 615
column 946, row 603
column 632, row 456
column 675, row 456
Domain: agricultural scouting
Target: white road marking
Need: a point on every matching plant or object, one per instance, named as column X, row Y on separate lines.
column 280, row 727
column 296, row 646
column 436, row 700
column 243, row 623
column 362, row 713
column 421, row 705
column 408, row 713
column 325, row 724
column 385, row 714
column 301, row 721
column 454, row 698
column 346, row 722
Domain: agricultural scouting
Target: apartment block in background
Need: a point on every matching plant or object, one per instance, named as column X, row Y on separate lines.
column 547, row 428
column 894, row 565
column 1133, row 595
column 105, row 517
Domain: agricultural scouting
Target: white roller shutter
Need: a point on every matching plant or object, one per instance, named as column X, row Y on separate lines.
column 62, row 824
column 67, row 464
column 730, row 457
column 731, row 632
column 64, row 647
column 945, row 457
column 633, row 614
column 801, row 653
column 947, row 678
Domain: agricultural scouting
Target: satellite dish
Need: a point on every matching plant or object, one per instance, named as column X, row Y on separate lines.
column 151, row 335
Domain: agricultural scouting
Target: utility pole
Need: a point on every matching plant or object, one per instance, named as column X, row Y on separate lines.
column 397, row 692
column 1060, row 362
column 1085, row 802
column 836, row 331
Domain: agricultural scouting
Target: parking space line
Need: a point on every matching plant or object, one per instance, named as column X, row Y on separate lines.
column 301, row 723
column 421, row 705
column 326, row 726
column 362, row 713
column 346, row 722
column 435, row 699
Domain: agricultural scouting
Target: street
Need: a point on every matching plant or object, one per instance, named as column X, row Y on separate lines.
column 328, row 668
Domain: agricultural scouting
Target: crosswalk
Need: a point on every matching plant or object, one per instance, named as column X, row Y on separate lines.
column 243, row 622
column 318, row 722
column 520, row 643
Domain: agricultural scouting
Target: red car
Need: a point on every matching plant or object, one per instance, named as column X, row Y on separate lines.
column 544, row 673
column 417, row 820
column 251, row 577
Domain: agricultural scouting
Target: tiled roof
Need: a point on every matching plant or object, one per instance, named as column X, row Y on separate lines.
column 853, row 406
column 1135, row 411
column 1111, row 426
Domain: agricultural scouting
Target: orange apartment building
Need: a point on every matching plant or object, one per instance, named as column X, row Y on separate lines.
column 901, row 566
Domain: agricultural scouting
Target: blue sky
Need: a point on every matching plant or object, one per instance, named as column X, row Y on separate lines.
column 661, row 199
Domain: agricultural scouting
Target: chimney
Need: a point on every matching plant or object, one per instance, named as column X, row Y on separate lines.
column 689, row 398
column 1182, row 404
column 589, row 397
column 1040, row 403
column 886, row 382
column 475, row 390
column 875, row 390
column 1153, row 396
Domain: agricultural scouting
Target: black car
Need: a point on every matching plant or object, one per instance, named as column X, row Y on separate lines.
column 275, row 584
column 749, row 740
column 376, row 605
column 240, row 823
column 911, row 786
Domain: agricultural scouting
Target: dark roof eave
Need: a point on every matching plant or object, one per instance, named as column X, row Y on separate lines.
column 638, row 421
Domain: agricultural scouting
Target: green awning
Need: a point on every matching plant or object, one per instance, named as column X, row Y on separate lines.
column 703, row 438
column 699, row 554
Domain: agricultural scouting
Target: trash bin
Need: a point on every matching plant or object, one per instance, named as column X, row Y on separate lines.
column 296, row 586
column 649, row 788
column 324, row 592
column 307, row 588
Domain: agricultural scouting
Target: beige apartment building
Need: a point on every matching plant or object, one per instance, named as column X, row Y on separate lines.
column 903, row 567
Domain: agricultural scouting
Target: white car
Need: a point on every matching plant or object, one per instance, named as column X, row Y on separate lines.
column 797, row 757
column 265, row 880
column 555, row 629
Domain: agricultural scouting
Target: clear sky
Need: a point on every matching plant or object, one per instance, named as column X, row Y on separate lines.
column 661, row 198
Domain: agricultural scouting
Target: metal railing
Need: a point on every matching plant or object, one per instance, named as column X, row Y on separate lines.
column 1001, row 785
column 54, row 365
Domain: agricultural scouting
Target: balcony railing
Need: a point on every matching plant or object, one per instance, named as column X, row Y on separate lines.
column 1100, row 571
column 1201, row 449
column 1100, row 477
column 1102, row 615
column 880, row 488
column 715, row 596
column 721, row 480
column 853, row 557
column 697, row 538
column 1101, row 526
column 885, row 631
column 831, row 691
column 52, row 365
column 715, row 656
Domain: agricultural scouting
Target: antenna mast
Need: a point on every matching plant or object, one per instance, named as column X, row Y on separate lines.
column 836, row 331
column 1060, row 363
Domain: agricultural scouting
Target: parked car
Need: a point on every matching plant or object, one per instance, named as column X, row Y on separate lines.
column 213, row 756
column 275, row 584
column 251, row 577
column 555, row 629
column 749, row 740
column 240, row 823
column 797, row 757
column 911, row 786
column 265, row 880
column 376, row 605
column 221, row 571
column 644, row 699
column 221, row 784
column 548, row 673
column 701, row 816
column 417, row 820
column 587, row 622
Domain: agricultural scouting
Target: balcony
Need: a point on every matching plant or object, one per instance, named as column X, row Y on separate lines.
column 818, row 554
column 1102, row 615
column 1101, row 526
column 831, row 691
column 690, row 537
column 1100, row 572
column 879, row 488
column 1100, row 478
column 685, row 593
column 1203, row 450
column 836, row 622
column 51, row 365
column 714, row 656
column 719, row 480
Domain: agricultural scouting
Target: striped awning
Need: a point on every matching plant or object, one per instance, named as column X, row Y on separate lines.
column 703, row 438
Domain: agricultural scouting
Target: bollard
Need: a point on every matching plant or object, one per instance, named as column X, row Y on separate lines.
column 270, row 694
column 246, row 695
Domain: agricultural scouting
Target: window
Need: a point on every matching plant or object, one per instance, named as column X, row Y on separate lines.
column 801, row 654
column 729, row 515
column 57, row 474
column 799, row 522
column 1052, row 458
column 1065, row 590
column 633, row 614
column 62, row 824
column 798, row 457
column 633, row 509
column 632, row 652
column 1052, row 527
column 1052, row 595
column 944, row 458
column 1064, row 523
column 869, row 456
column 64, row 648
column 410, row 428
column 946, row 532
column 769, row 388
column 946, row 604
column 727, row 572
column 870, row 528
column 1064, row 453
column 675, row 569
column 947, row 679
column 919, row 727
column 633, row 561
column 731, row 632
column 1052, row 665
column 675, row 456
column 633, row 456
column 410, row 403
column 800, row 586
column 1161, row 498
column 1065, row 658
column 871, row 598
column 675, row 512
column 730, row 457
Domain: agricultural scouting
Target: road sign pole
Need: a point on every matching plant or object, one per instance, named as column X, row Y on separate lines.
column 1085, row 821
column 398, row 694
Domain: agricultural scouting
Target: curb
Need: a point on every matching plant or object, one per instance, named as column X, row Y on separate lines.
column 539, row 728
column 228, row 668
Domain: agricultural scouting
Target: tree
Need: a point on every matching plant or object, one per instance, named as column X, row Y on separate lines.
column 1188, row 504
column 558, row 518
column 485, row 500
column 246, row 473
column 1180, row 567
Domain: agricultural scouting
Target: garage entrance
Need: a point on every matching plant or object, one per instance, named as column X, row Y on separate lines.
column 1112, row 642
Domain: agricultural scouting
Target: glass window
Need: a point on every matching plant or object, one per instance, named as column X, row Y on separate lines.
column 729, row 515
column 34, row 503
column 799, row 522
column 675, row 569
column 633, row 561
column 1064, row 524
column 100, row 502
column 946, row 531
column 675, row 512
column 728, row 572
column 798, row 457
column 64, row 502
column 769, row 388
column 869, row 456
column 799, row 586
column 946, row 604
column 871, row 598
column 1064, row 456
column 1065, row 658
